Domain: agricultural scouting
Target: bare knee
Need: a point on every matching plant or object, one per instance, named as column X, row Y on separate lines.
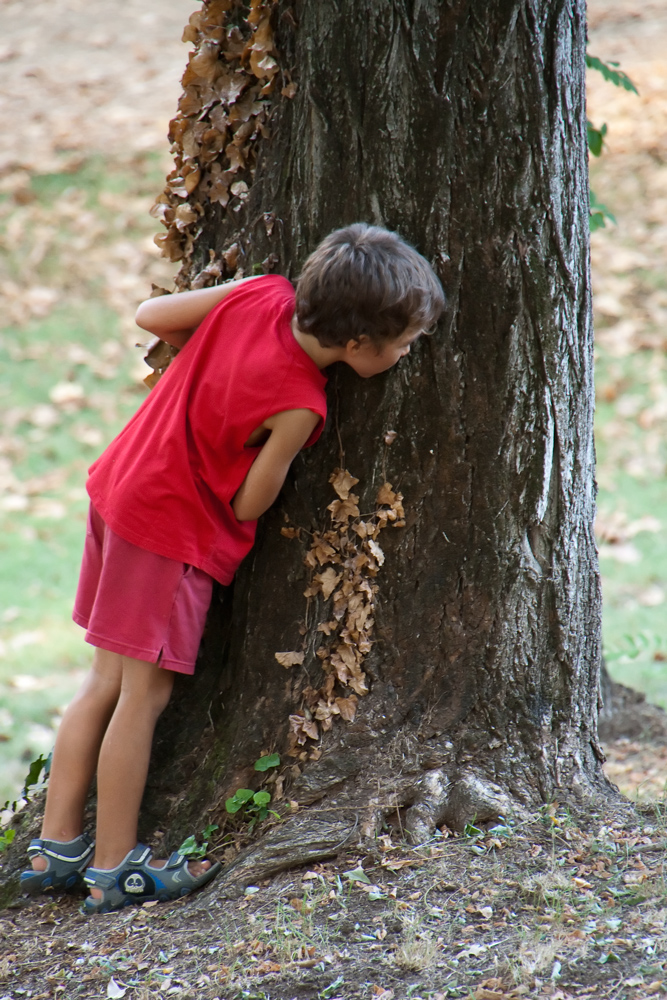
column 147, row 684
column 161, row 691
column 102, row 684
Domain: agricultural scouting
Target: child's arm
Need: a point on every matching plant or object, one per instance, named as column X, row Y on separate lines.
column 174, row 318
column 289, row 432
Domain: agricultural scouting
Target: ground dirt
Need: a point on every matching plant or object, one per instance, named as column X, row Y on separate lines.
column 567, row 905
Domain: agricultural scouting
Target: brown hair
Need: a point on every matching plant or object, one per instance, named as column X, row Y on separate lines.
column 366, row 281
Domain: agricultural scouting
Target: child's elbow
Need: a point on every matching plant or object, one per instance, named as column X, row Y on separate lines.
column 142, row 316
column 246, row 510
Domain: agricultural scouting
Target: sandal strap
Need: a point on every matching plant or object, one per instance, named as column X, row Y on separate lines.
column 69, row 851
column 176, row 860
column 99, row 879
column 103, row 878
column 138, row 856
column 65, row 861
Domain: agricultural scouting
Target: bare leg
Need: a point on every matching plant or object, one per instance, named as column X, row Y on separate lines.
column 123, row 762
column 124, row 758
column 77, row 747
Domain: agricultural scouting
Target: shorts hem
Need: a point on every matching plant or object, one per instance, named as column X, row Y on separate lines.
column 128, row 595
column 124, row 649
column 177, row 666
column 79, row 619
column 148, row 656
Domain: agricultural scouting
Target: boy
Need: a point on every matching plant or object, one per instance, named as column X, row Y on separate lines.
column 174, row 503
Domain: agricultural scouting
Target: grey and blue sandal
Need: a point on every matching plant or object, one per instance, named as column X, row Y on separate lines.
column 135, row 881
column 66, row 862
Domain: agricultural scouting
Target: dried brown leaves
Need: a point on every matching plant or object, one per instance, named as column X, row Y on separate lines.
column 344, row 562
column 159, row 357
column 223, row 111
column 290, row 659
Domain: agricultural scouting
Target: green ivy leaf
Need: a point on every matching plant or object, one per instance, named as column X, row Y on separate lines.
column 261, row 798
column 595, row 137
column 329, row 990
column 34, row 772
column 609, row 956
column 243, row 794
column 6, row 839
column 599, row 213
column 357, row 875
column 239, row 799
column 611, row 73
column 189, row 848
column 264, row 763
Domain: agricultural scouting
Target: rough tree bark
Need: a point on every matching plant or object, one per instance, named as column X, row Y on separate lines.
column 462, row 126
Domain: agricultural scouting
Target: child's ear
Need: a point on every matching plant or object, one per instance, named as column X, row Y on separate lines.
column 354, row 346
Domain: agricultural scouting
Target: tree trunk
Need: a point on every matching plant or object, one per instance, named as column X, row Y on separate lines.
column 463, row 128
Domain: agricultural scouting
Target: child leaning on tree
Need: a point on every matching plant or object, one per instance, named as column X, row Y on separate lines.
column 174, row 503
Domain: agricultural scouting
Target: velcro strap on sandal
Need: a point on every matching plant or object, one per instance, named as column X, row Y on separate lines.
column 139, row 855
column 99, row 879
column 175, row 860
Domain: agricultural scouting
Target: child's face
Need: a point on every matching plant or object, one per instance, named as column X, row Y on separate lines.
column 366, row 360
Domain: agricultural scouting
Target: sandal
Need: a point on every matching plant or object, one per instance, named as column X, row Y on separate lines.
column 66, row 862
column 134, row 880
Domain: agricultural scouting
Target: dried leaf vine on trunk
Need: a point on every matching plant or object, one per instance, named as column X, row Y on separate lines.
column 229, row 83
column 223, row 111
column 344, row 561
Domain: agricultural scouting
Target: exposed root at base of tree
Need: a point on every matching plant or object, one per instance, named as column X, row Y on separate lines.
column 415, row 811
column 455, row 803
column 301, row 840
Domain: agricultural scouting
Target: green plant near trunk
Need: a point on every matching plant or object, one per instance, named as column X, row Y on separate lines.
column 595, row 136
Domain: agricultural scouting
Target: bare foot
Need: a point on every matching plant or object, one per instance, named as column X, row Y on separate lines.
column 194, row 867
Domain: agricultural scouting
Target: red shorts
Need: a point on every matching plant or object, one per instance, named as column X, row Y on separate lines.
column 139, row 604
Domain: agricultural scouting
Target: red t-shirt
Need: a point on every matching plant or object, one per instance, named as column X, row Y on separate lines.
column 167, row 481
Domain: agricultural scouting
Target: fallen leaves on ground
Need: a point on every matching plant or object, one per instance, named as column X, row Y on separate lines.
column 573, row 906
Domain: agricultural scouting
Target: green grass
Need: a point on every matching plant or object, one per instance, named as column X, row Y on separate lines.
column 47, row 441
column 632, row 456
column 94, row 176
column 43, row 653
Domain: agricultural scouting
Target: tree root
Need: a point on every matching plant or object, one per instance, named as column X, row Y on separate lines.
column 310, row 837
column 301, row 840
column 398, row 794
column 455, row 801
